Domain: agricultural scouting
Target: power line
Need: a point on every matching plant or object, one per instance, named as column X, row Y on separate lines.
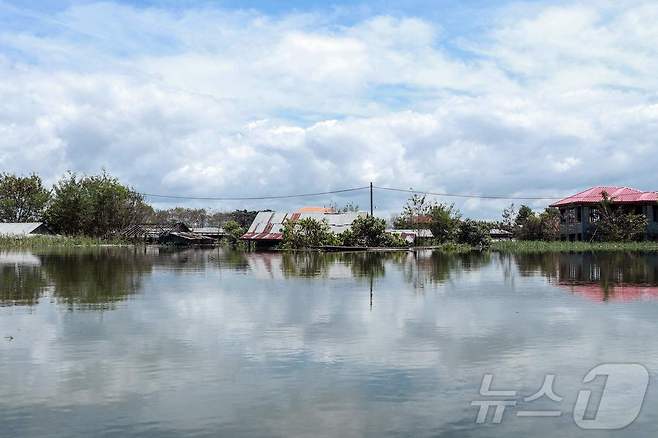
column 353, row 189
column 252, row 198
column 452, row 195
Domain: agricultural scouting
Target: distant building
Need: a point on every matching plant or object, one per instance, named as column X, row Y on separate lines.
column 25, row 229
column 267, row 227
column 411, row 236
column 578, row 213
column 497, row 234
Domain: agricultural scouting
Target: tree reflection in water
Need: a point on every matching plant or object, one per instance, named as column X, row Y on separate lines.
column 90, row 278
column 21, row 280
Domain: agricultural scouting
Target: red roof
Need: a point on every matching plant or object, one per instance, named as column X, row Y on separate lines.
column 616, row 194
column 619, row 292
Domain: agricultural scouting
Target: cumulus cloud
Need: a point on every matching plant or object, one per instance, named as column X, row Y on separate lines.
column 543, row 100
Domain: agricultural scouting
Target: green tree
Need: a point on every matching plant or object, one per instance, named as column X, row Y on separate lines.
column 22, row 199
column 95, row 206
column 369, row 231
column 444, row 222
column 523, row 215
column 307, row 233
column 473, row 233
column 233, row 232
column 413, row 213
column 509, row 218
column 193, row 217
column 616, row 225
column 550, row 224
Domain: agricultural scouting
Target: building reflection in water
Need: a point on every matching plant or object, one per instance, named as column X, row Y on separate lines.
column 601, row 276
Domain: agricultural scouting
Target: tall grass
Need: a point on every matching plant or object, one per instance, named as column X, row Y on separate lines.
column 539, row 246
column 32, row 242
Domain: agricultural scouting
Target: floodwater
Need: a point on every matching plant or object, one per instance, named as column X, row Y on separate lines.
column 156, row 342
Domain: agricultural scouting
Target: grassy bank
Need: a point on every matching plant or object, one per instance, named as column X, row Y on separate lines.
column 539, row 246
column 7, row 242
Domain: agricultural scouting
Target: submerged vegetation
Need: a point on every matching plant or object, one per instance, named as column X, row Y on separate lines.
column 35, row 242
column 525, row 246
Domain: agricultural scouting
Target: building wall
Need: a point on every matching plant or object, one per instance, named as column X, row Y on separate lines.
column 652, row 216
column 583, row 229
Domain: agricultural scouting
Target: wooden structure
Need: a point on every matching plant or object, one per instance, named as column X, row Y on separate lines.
column 185, row 238
column 167, row 234
column 151, row 233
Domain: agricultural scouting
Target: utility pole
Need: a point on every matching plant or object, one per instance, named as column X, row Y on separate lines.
column 371, row 208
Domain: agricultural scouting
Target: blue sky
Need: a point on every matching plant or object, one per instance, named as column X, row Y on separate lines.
column 263, row 97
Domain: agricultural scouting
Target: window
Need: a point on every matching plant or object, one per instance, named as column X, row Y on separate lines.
column 563, row 215
column 655, row 213
column 579, row 214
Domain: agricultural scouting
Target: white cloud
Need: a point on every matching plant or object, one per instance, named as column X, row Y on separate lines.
column 204, row 101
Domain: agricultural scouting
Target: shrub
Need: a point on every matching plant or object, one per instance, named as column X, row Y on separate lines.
column 444, row 223
column 307, row 233
column 473, row 233
column 615, row 225
column 233, row 232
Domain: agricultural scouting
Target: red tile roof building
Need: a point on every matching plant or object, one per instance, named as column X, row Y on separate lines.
column 577, row 211
column 621, row 195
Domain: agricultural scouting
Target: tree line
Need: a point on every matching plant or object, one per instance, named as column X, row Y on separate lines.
column 95, row 205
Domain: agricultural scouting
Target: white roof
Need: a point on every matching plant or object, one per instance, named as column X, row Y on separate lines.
column 271, row 223
column 423, row 232
column 18, row 229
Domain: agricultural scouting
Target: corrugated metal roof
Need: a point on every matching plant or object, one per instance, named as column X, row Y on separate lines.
column 268, row 225
column 616, row 194
column 19, row 229
column 208, row 230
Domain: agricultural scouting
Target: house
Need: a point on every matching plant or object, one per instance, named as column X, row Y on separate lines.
column 25, row 229
column 497, row 234
column 267, row 227
column 578, row 213
column 410, row 236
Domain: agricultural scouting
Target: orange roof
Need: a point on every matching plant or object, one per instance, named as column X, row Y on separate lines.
column 316, row 210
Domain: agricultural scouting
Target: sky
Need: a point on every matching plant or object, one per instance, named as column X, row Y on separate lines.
column 251, row 98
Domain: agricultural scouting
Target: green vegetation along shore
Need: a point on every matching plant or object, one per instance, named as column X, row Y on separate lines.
column 560, row 246
column 36, row 242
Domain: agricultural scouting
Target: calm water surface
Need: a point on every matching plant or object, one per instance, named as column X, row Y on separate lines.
column 118, row 342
